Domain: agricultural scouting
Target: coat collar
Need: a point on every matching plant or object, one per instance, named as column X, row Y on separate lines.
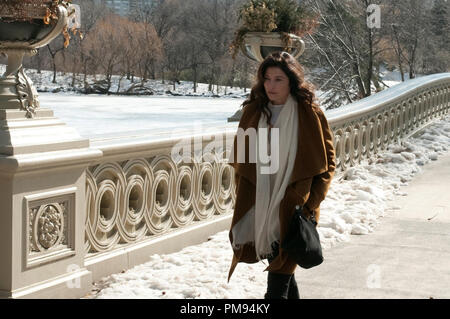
column 311, row 157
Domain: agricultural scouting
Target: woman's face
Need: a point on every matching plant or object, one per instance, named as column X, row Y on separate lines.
column 276, row 84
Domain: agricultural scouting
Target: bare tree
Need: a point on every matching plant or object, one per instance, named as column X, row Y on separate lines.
column 107, row 45
column 213, row 23
column 53, row 49
column 91, row 13
column 348, row 47
column 408, row 22
column 189, row 40
column 164, row 16
column 150, row 50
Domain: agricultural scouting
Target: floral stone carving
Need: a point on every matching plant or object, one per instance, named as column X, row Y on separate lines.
column 48, row 225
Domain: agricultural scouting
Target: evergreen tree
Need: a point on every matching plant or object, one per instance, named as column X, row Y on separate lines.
column 440, row 22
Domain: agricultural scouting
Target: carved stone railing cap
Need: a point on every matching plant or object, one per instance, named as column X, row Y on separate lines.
column 123, row 145
column 353, row 110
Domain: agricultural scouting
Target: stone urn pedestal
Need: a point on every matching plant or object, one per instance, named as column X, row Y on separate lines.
column 258, row 45
column 42, row 181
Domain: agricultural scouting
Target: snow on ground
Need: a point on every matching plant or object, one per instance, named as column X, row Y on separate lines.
column 357, row 199
column 100, row 116
column 43, row 83
column 394, row 77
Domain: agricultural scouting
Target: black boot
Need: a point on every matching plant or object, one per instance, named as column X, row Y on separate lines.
column 277, row 286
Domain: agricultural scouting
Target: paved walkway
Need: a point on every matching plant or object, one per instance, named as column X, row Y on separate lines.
column 407, row 256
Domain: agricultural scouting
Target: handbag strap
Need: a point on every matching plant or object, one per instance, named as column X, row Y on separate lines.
column 311, row 218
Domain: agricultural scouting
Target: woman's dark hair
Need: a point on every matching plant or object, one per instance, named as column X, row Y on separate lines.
column 301, row 90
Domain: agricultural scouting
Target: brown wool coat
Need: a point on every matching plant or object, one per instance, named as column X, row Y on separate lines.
column 308, row 185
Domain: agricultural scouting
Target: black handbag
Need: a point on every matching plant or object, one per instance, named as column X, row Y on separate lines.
column 302, row 242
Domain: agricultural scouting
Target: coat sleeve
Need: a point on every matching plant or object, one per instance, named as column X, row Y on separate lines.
column 321, row 183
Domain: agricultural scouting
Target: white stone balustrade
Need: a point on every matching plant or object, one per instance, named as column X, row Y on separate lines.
column 128, row 199
column 140, row 202
column 368, row 126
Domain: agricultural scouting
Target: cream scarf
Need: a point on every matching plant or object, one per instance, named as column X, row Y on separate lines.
column 261, row 224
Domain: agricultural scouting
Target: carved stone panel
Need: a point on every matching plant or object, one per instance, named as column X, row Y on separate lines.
column 49, row 222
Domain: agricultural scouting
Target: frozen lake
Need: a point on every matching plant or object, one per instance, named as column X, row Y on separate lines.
column 100, row 116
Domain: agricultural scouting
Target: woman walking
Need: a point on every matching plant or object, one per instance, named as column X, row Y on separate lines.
column 282, row 104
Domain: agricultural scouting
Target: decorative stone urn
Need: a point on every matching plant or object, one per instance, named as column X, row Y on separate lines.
column 19, row 39
column 258, row 45
column 43, row 165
